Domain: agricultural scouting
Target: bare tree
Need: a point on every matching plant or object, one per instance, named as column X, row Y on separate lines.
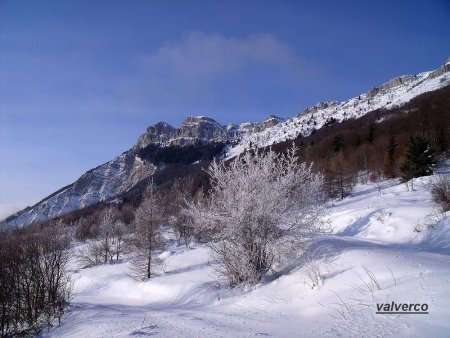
column 147, row 237
column 259, row 205
column 339, row 179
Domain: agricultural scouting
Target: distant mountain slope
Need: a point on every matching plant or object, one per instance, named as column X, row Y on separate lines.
column 202, row 138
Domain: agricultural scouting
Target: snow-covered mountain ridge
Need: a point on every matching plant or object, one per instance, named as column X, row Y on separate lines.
column 396, row 92
column 122, row 173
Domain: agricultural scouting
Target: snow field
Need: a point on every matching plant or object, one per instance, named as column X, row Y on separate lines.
column 373, row 256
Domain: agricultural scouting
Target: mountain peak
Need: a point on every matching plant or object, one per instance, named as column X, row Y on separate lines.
column 192, row 129
column 198, row 119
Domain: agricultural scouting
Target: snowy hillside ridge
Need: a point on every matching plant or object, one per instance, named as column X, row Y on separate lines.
column 374, row 256
column 99, row 184
column 392, row 94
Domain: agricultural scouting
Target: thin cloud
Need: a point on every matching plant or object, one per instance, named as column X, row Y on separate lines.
column 195, row 70
column 202, row 56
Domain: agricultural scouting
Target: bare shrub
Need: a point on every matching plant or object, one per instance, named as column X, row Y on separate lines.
column 381, row 215
column 91, row 255
column 370, row 283
column 314, row 278
column 440, row 191
column 35, row 286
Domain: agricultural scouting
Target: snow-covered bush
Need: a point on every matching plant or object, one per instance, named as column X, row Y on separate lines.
column 260, row 206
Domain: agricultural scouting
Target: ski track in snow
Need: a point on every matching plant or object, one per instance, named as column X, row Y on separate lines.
column 371, row 230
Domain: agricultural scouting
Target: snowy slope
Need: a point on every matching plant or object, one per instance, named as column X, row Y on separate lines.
column 372, row 230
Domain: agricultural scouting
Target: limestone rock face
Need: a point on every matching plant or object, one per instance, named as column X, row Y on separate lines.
column 192, row 129
column 401, row 80
column 161, row 132
column 319, row 106
column 372, row 92
column 441, row 70
column 202, row 127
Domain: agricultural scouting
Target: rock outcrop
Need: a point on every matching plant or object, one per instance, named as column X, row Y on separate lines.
column 192, row 129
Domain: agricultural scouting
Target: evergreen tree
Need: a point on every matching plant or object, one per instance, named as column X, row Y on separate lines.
column 389, row 161
column 338, row 143
column 392, row 147
column 419, row 159
column 371, row 133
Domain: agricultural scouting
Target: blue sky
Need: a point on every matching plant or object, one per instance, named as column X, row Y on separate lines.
column 81, row 80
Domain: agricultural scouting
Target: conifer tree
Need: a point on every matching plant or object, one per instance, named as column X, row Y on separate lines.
column 419, row 159
column 371, row 135
column 389, row 161
column 338, row 143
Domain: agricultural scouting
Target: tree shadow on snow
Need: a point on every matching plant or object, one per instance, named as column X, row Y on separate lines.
column 357, row 226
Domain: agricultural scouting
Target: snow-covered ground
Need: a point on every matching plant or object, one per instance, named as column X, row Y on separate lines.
column 374, row 242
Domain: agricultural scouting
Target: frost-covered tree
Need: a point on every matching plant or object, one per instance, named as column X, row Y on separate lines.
column 117, row 240
column 180, row 194
column 106, row 233
column 100, row 250
column 260, row 205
